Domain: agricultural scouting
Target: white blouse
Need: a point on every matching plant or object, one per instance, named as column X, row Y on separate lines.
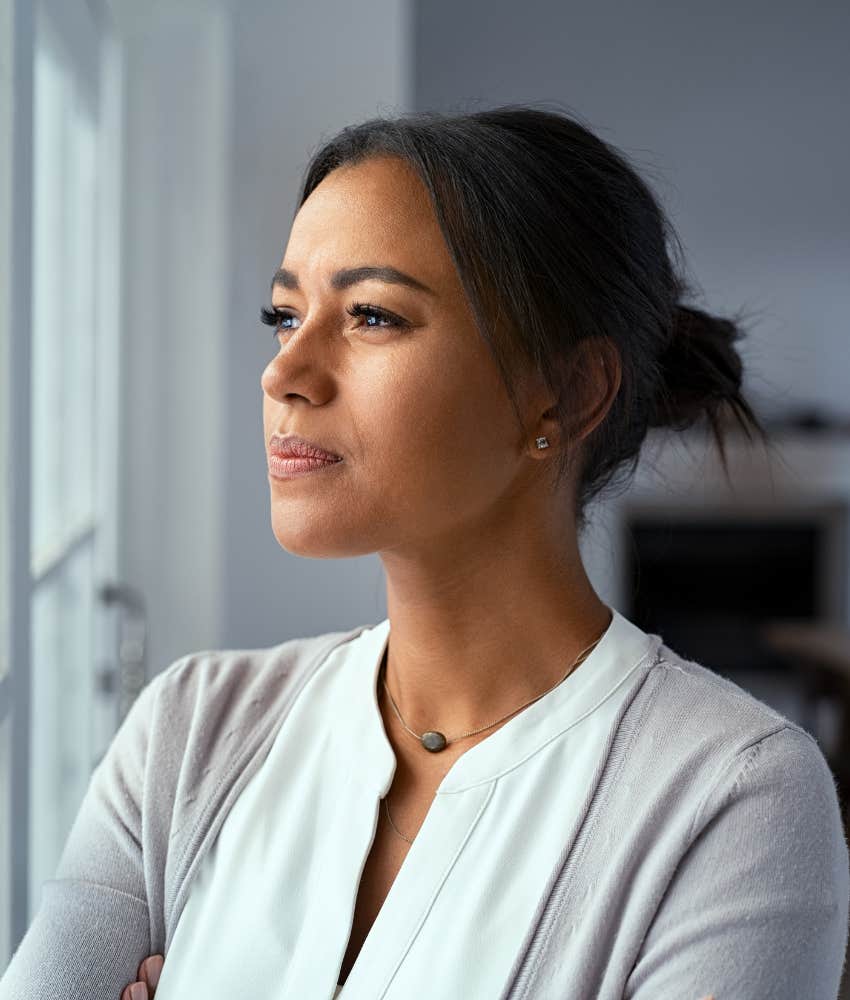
column 270, row 908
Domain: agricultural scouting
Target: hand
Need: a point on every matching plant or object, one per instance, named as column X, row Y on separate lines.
column 145, row 987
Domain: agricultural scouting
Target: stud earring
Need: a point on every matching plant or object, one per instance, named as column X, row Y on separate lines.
column 542, row 442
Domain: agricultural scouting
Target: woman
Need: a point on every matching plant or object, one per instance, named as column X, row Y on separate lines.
column 513, row 791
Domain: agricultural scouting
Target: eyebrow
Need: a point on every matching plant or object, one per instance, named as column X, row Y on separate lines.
column 348, row 276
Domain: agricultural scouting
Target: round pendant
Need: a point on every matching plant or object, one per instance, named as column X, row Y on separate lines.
column 433, row 741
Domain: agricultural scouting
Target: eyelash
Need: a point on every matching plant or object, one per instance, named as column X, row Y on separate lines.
column 274, row 317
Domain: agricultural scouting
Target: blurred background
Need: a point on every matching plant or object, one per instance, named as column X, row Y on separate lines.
column 150, row 156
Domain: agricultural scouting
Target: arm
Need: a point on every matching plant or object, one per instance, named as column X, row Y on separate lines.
column 758, row 905
column 92, row 927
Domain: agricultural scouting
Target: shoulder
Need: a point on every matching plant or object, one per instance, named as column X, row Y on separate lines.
column 708, row 739
column 207, row 719
column 211, row 705
column 236, row 679
column 203, row 706
column 703, row 690
column 733, row 817
column 708, row 708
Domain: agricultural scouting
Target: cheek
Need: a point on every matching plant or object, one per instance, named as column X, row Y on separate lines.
column 443, row 436
column 462, row 407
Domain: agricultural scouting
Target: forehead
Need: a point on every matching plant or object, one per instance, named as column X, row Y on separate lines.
column 376, row 209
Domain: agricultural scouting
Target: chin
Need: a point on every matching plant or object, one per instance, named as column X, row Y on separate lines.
column 317, row 541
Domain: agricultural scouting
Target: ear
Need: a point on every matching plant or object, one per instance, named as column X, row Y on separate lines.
column 593, row 374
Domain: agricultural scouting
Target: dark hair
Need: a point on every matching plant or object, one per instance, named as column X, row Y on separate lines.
column 556, row 240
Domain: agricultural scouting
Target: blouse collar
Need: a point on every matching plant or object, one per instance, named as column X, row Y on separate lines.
column 358, row 721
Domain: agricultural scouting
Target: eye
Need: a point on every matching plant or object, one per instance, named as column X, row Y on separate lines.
column 373, row 312
column 278, row 317
column 274, row 317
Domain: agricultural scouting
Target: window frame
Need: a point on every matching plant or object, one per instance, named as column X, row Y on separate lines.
column 96, row 50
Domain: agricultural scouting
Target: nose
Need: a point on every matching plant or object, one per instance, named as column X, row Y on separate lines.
column 280, row 380
column 300, row 368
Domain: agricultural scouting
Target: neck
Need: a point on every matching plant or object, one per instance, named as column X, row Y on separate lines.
column 476, row 640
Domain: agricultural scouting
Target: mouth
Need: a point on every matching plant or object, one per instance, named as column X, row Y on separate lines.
column 295, row 446
column 290, row 466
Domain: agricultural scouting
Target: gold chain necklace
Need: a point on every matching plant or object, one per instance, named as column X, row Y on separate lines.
column 434, row 741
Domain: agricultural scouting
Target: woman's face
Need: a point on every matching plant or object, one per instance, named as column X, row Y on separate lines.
column 431, row 450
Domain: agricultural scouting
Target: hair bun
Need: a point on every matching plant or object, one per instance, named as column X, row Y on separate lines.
column 701, row 370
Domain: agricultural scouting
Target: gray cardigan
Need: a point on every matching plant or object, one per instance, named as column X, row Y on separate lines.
column 708, row 857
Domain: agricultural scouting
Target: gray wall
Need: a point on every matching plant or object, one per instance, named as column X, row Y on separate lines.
column 739, row 114
column 173, row 326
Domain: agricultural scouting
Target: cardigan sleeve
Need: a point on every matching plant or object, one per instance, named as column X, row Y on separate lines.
column 92, row 927
column 758, row 905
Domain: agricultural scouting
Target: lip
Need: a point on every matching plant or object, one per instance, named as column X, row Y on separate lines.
column 294, row 446
column 287, row 468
